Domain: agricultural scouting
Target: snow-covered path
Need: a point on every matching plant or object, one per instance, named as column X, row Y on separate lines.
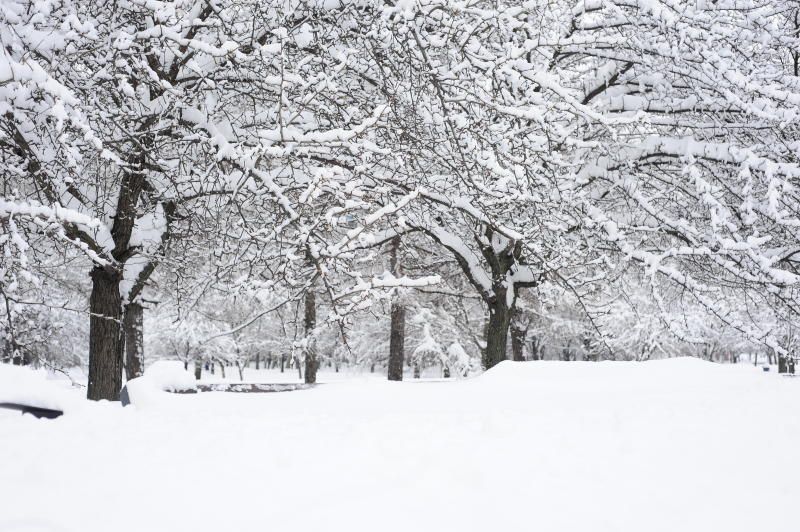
column 676, row 445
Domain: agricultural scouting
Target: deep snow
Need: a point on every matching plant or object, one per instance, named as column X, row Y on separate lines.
column 674, row 445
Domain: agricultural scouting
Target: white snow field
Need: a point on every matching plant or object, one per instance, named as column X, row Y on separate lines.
column 676, row 445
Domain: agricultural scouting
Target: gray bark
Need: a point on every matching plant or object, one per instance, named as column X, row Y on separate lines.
column 134, row 340
column 517, row 340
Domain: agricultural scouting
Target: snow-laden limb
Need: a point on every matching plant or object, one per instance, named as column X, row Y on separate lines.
column 363, row 294
column 54, row 214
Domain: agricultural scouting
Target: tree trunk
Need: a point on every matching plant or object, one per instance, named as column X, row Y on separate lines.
column 258, row 361
column 397, row 342
column 534, row 348
column 517, row 341
column 283, row 362
column 310, row 321
column 134, row 340
column 105, row 336
column 497, row 332
column 222, row 369
column 397, row 334
column 785, row 364
column 417, row 370
column 198, row 369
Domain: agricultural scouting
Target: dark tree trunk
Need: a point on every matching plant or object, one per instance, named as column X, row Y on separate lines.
column 397, row 334
column 258, row 361
column 198, row 369
column 397, row 341
column 134, row 340
column 222, row 369
column 283, row 362
column 785, row 364
column 105, row 336
column 417, row 370
column 310, row 321
column 497, row 332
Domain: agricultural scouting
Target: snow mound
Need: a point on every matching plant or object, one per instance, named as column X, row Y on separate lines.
column 161, row 377
column 169, row 375
column 23, row 385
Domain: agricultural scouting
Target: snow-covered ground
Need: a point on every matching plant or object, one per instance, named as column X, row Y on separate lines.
column 675, row 445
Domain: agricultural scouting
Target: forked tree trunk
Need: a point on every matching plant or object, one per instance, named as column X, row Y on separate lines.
column 497, row 332
column 134, row 340
column 105, row 336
